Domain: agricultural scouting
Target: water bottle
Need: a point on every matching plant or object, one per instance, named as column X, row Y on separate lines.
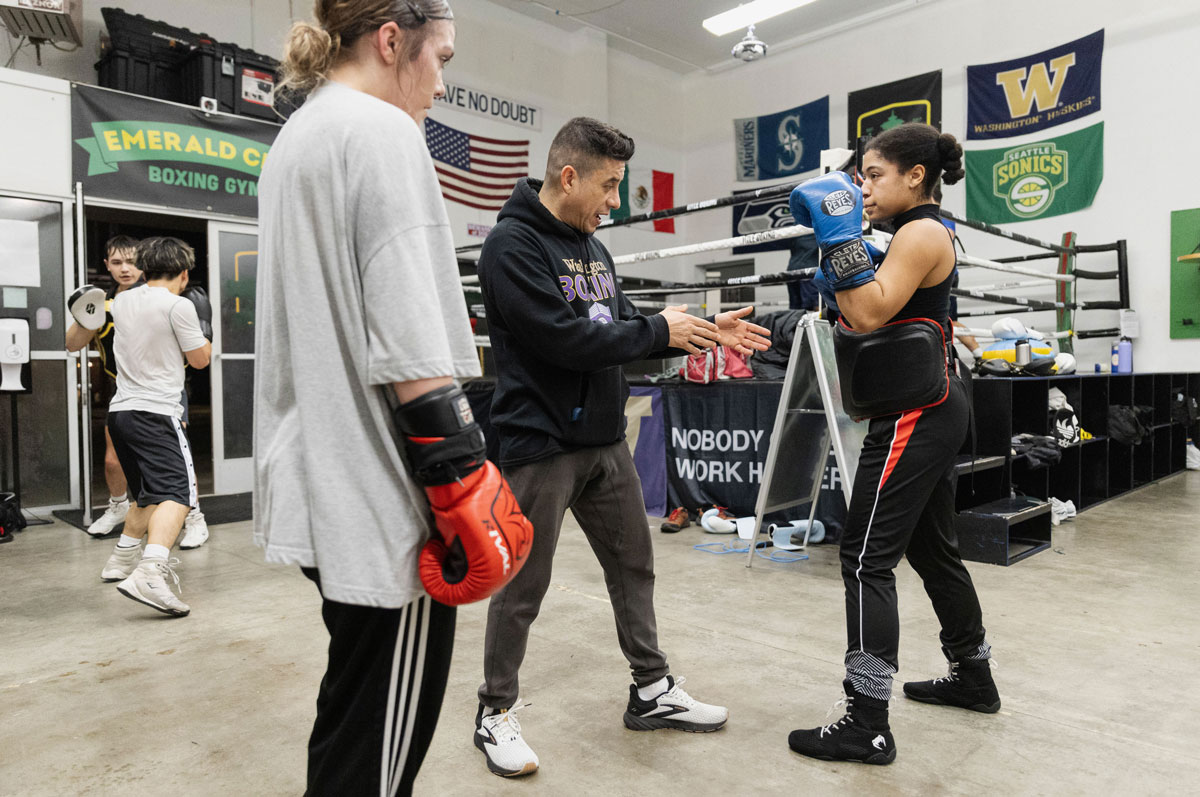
column 1022, row 354
column 1125, row 355
column 1116, row 369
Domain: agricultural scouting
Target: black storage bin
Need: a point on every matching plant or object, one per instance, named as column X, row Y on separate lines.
column 240, row 80
column 255, row 88
column 144, row 56
column 209, row 71
column 139, row 72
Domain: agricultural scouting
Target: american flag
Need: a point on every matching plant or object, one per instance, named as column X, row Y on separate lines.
column 475, row 171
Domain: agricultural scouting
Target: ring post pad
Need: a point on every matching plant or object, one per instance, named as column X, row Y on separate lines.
column 441, row 438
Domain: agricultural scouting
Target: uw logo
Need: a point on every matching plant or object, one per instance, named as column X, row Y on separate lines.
column 1028, row 177
column 1025, row 87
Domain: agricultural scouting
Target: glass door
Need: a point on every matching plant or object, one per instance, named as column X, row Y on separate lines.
column 232, row 274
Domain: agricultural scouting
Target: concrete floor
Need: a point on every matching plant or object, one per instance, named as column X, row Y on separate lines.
column 1096, row 642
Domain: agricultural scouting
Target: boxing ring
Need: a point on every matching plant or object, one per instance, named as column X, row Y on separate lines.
column 1015, row 291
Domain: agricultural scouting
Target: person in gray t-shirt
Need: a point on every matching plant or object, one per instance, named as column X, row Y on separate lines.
column 358, row 293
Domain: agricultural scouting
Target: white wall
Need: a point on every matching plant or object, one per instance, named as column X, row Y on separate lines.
column 1149, row 110
column 684, row 125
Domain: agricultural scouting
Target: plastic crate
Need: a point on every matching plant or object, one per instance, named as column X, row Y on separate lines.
column 256, row 77
column 144, row 56
column 139, row 72
column 134, row 32
column 209, row 71
column 240, row 80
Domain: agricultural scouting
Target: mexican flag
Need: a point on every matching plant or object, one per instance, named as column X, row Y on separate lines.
column 645, row 190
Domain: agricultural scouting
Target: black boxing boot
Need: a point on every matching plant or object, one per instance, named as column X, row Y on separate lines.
column 862, row 734
column 968, row 685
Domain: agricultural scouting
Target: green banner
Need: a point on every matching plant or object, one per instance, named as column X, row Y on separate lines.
column 1185, row 273
column 111, row 143
column 137, row 149
column 1035, row 180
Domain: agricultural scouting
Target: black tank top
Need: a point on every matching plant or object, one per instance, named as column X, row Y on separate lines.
column 932, row 302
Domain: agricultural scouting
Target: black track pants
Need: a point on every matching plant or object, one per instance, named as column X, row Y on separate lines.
column 903, row 503
column 381, row 695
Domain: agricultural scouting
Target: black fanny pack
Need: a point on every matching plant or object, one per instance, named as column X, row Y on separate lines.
column 899, row 367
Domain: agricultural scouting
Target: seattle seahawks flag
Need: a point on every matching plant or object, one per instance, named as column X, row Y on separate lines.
column 781, row 144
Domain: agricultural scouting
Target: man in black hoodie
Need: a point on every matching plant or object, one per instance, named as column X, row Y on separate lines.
column 561, row 329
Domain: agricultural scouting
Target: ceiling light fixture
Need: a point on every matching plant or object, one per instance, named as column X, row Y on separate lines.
column 749, row 14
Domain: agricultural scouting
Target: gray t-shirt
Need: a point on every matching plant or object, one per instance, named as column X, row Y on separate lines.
column 153, row 327
column 358, row 287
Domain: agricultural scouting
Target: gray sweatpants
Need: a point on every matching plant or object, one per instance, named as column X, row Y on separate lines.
column 601, row 488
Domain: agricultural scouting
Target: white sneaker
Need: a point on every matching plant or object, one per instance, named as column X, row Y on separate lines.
column 148, row 584
column 112, row 517
column 499, row 737
column 122, row 562
column 195, row 530
column 674, row 708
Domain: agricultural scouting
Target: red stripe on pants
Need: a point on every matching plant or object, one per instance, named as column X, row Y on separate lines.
column 904, row 429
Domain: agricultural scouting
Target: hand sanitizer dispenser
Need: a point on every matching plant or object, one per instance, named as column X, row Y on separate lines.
column 14, row 352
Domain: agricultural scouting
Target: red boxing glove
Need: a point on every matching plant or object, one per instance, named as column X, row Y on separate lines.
column 484, row 538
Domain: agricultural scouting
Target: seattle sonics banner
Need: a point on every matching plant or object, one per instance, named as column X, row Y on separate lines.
column 1040, row 178
column 1024, row 95
column 781, row 144
column 137, row 149
column 912, row 99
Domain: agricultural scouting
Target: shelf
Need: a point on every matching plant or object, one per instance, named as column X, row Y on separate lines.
column 1014, row 510
column 981, row 464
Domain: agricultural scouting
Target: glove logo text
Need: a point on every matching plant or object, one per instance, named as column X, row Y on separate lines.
column 838, row 203
column 499, row 543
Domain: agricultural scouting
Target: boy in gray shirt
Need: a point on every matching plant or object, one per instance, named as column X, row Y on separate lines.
column 156, row 329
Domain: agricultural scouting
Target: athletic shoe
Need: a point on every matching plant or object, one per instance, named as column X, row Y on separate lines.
column 678, row 520
column 113, row 516
column 674, row 708
column 968, row 685
column 195, row 530
column 148, row 584
column 861, row 735
column 122, row 563
column 499, row 737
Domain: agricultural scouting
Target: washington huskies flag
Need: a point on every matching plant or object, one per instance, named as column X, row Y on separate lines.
column 646, row 190
column 1011, row 98
column 475, row 171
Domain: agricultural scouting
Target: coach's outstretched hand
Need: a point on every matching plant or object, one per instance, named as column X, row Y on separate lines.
column 688, row 332
column 740, row 335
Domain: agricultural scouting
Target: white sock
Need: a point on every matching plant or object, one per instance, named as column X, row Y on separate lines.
column 653, row 690
column 128, row 542
column 119, row 498
column 155, row 551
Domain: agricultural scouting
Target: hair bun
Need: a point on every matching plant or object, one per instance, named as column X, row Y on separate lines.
column 307, row 56
column 950, row 152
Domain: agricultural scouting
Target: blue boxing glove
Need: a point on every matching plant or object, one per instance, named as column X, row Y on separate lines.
column 833, row 206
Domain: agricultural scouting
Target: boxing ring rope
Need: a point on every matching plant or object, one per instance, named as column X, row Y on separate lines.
column 1065, row 253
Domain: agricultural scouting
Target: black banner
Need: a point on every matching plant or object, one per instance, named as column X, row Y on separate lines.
column 913, row 99
column 717, row 439
column 137, row 149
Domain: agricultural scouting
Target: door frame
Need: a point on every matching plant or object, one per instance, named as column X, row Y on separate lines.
column 229, row 475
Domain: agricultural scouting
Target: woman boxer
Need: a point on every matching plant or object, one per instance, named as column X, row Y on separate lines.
column 896, row 367
column 358, row 292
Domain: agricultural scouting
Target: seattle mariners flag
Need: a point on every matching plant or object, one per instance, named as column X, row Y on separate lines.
column 1024, row 95
column 781, row 144
column 475, row 171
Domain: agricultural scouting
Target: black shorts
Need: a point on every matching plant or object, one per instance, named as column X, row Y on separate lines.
column 155, row 457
